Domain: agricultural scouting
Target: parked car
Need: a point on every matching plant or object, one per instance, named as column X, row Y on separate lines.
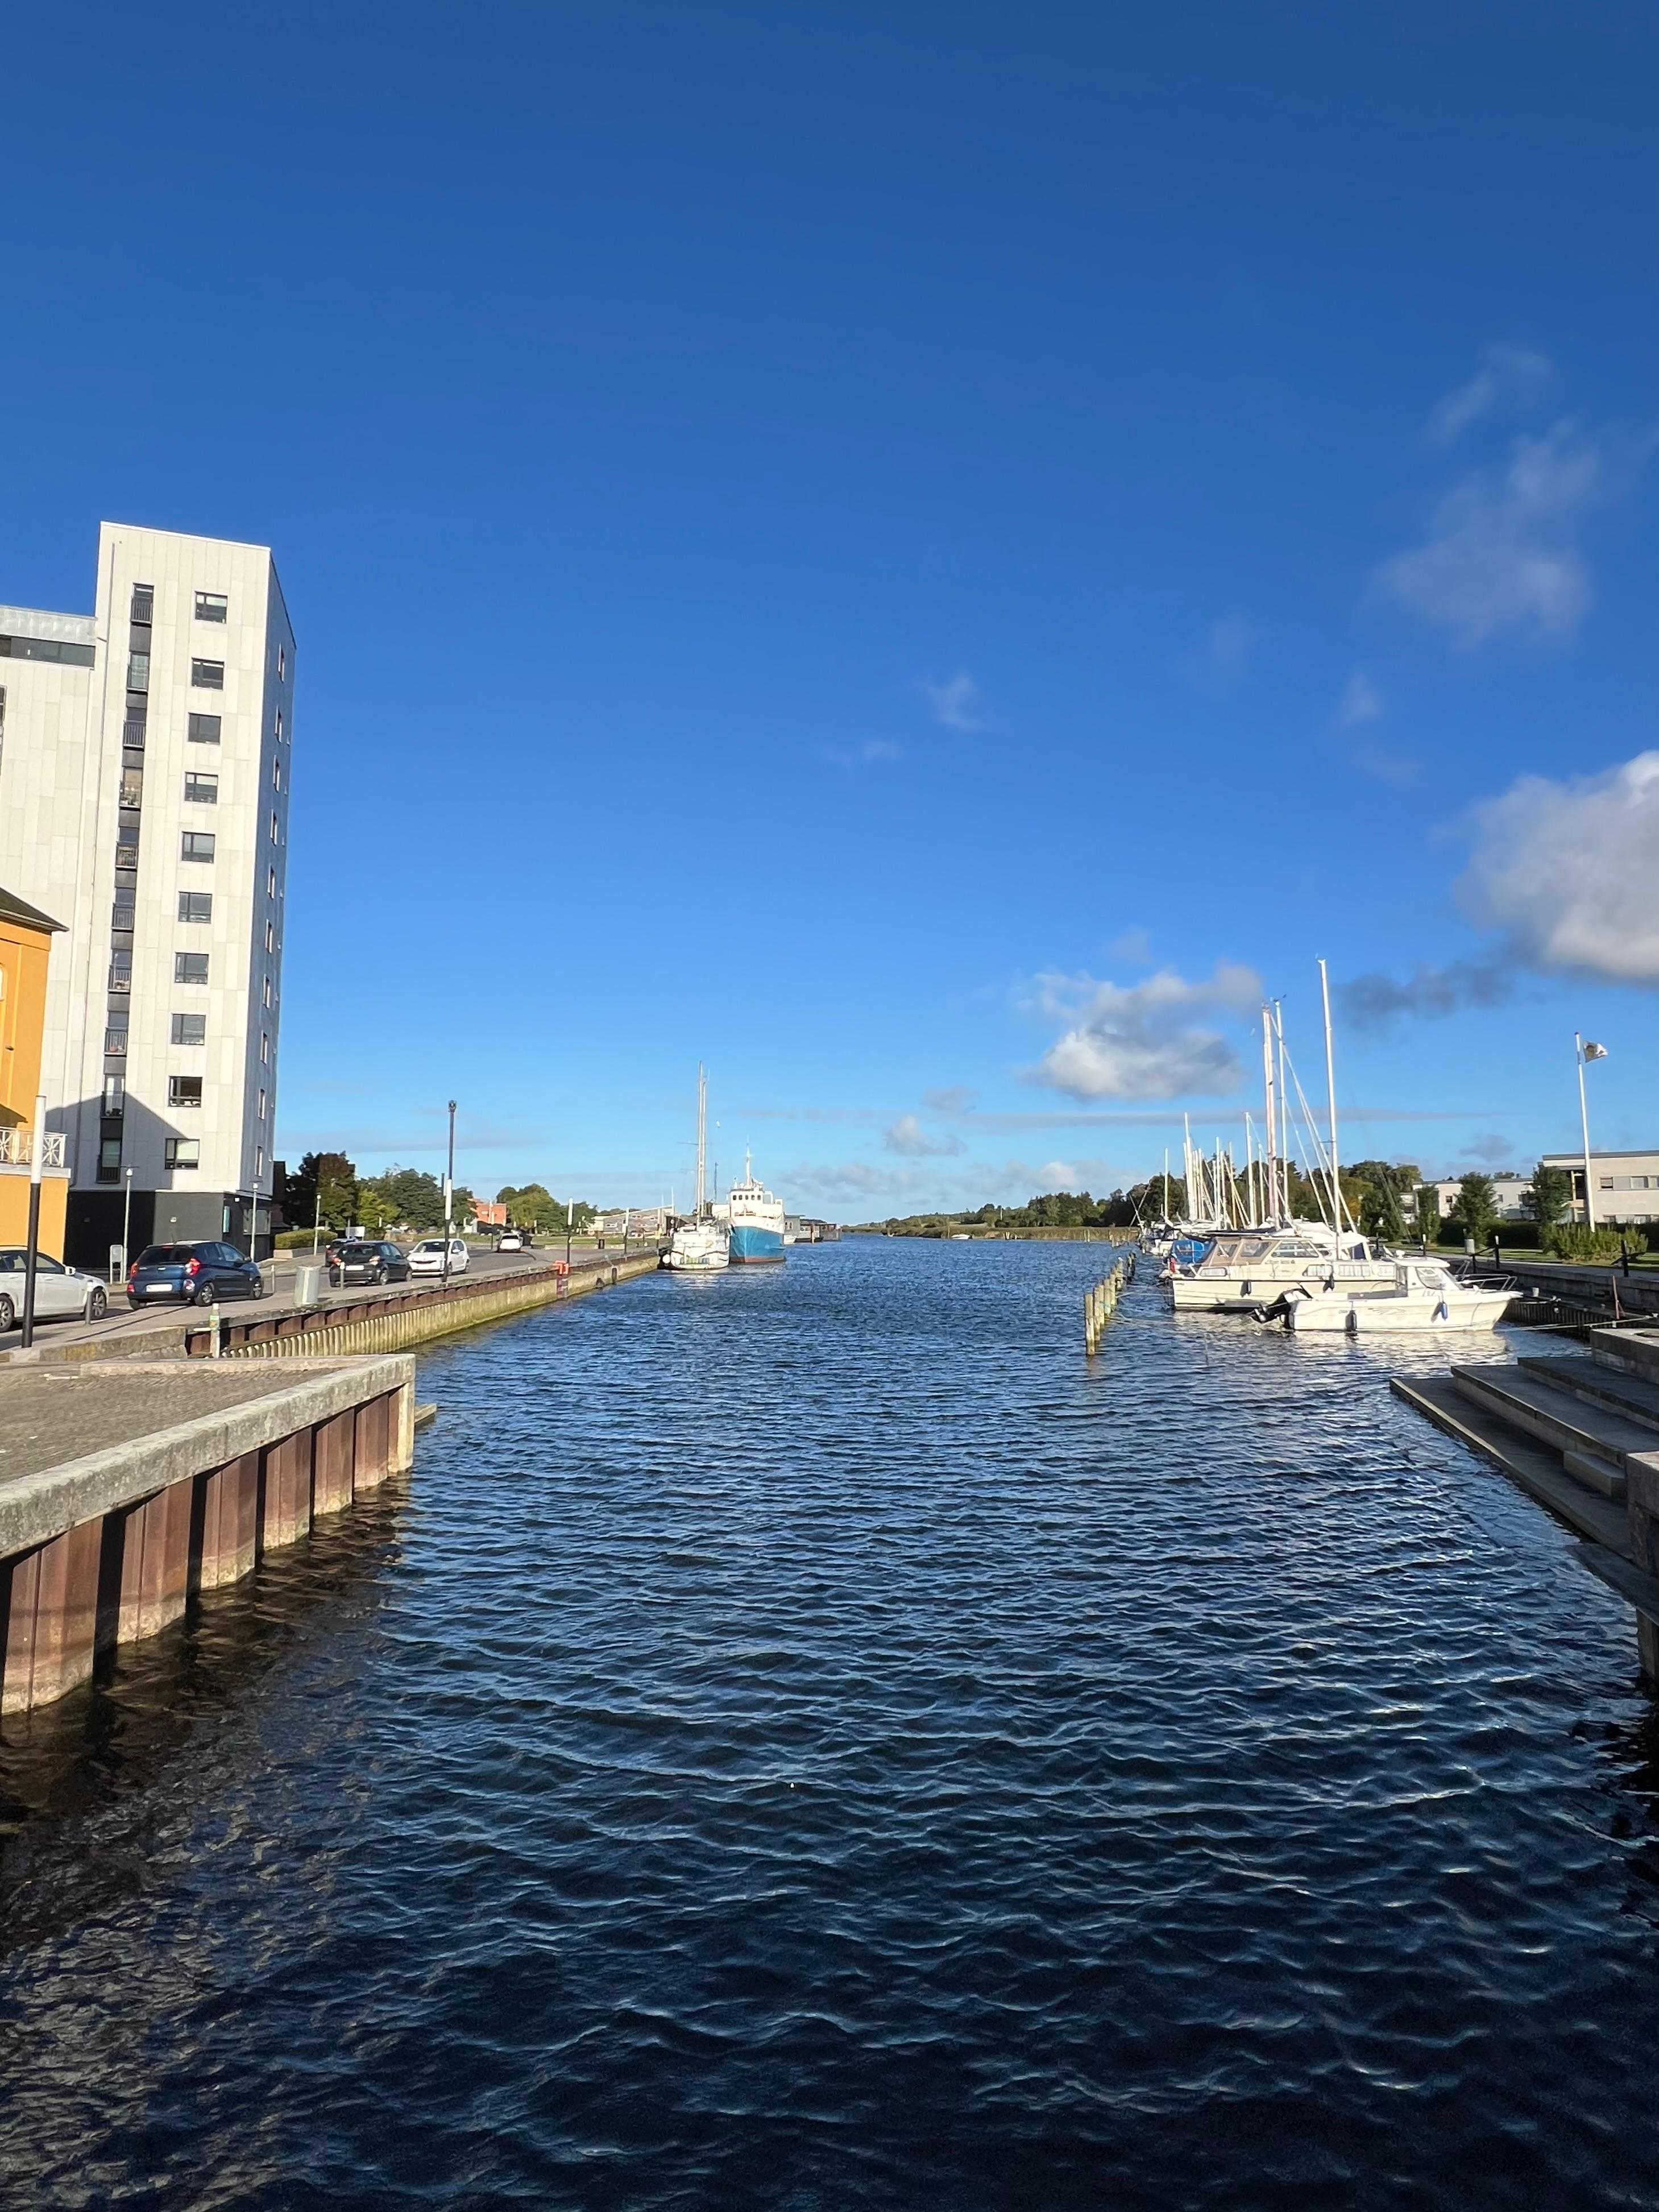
column 511, row 1240
column 366, row 1263
column 427, row 1258
column 59, row 1290
column 192, row 1274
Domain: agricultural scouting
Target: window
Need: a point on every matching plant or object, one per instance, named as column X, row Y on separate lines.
column 109, row 1160
column 115, row 1097
column 258, row 1159
column 208, row 675
column 270, row 937
column 282, row 662
column 276, row 773
column 195, row 845
column 204, row 729
column 267, row 990
column 264, row 1050
column 189, row 1029
column 139, row 672
column 211, row 606
column 275, row 837
column 279, row 725
column 261, row 1105
column 143, row 604
column 201, row 790
column 196, row 906
column 45, row 648
column 184, row 1090
column 184, row 1152
column 271, row 883
column 190, row 967
column 115, row 1042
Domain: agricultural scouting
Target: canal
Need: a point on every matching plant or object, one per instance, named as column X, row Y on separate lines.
column 808, row 1739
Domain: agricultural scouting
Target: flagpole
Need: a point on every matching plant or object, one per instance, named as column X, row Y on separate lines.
column 1583, row 1123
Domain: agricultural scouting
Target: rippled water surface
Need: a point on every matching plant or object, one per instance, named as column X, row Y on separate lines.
column 810, row 1740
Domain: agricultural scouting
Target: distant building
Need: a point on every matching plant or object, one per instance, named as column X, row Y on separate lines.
column 145, row 773
column 1510, row 1191
column 488, row 1214
column 1626, row 1184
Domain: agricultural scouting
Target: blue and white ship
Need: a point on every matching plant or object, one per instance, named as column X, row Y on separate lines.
column 755, row 1220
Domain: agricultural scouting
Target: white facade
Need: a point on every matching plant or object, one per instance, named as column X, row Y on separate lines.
column 144, row 775
column 1626, row 1184
column 1510, row 1194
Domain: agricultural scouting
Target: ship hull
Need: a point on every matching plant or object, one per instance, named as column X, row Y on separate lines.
column 753, row 1246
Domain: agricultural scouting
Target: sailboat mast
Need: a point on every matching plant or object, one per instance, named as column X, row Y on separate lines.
column 1330, row 1100
column 1284, row 1106
column 1271, row 1166
column 703, row 1135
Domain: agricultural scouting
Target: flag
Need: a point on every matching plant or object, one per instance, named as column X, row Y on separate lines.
column 1595, row 1051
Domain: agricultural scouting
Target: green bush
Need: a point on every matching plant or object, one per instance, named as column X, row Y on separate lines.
column 1575, row 1240
column 290, row 1240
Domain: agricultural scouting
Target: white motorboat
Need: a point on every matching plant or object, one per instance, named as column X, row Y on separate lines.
column 698, row 1247
column 1242, row 1270
column 1425, row 1295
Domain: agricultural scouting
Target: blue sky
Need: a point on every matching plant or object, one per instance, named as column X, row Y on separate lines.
column 921, row 555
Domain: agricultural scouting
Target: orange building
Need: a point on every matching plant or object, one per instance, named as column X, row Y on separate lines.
column 25, row 950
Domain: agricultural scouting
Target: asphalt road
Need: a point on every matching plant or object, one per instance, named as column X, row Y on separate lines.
column 122, row 1320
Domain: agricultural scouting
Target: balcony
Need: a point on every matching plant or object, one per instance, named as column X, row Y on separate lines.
column 17, row 1149
column 126, row 856
column 120, row 978
column 115, row 1045
column 132, row 734
column 133, row 791
column 121, row 913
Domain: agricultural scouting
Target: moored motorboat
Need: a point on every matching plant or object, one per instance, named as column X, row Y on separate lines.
column 1424, row 1295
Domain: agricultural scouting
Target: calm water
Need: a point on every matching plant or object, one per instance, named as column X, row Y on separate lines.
column 807, row 1740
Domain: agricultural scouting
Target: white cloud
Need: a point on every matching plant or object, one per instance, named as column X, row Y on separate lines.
column 1374, row 1001
column 908, row 1137
column 1502, row 551
column 957, row 702
column 1361, row 702
column 1140, row 1041
column 1569, row 871
column 954, row 1098
column 1509, row 376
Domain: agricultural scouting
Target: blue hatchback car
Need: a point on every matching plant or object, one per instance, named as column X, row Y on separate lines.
column 191, row 1275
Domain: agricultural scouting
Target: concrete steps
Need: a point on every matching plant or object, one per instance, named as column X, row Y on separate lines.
column 1629, row 1350
column 1601, row 1385
column 1539, row 1471
column 1596, row 1443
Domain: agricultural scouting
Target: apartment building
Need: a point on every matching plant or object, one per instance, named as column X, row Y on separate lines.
column 1509, row 1194
column 144, row 775
column 1627, row 1185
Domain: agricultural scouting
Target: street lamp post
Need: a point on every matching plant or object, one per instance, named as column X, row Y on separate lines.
column 1584, row 1052
column 570, row 1223
column 126, row 1228
column 449, row 1195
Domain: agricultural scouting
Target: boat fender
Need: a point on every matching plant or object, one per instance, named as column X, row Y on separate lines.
column 1443, row 1311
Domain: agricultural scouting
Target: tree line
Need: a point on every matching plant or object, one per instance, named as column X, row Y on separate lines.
column 1375, row 1192
column 326, row 1188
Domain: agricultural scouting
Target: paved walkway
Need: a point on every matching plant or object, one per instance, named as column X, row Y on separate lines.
column 123, row 1323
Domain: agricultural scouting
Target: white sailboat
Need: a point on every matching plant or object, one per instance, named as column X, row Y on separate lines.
column 1243, row 1270
column 700, row 1246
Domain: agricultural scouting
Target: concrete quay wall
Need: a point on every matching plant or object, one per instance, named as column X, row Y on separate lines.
column 111, row 1545
column 394, row 1323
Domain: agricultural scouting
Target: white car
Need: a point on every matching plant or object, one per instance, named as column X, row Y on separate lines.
column 60, row 1291
column 428, row 1256
column 509, row 1241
